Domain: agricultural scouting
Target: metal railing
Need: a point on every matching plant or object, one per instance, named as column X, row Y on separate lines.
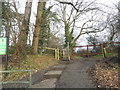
column 22, row 82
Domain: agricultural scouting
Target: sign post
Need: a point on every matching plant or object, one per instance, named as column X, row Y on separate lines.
column 68, row 51
column 4, row 50
column 3, row 46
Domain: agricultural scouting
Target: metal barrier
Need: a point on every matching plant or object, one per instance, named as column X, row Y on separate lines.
column 22, row 82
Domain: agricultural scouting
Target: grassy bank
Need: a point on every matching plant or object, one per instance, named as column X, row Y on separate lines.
column 32, row 62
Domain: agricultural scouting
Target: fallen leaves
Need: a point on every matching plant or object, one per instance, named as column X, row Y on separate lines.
column 106, row 76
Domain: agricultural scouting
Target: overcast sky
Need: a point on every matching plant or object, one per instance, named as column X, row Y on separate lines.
column 109, row 3
column 34, row 5
column 22, row 3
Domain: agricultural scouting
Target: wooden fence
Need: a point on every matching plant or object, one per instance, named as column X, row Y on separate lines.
column 55, row 50
column 59, row 53
column 102, row 49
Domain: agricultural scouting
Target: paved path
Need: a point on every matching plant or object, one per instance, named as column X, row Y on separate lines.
column 76, row 76
column 72, row 75
column 51, row 77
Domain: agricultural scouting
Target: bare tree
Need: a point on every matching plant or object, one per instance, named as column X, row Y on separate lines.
column 23, row 26
column 112, row 28
column 73, row 12
column 25, row 23
column 113, row 24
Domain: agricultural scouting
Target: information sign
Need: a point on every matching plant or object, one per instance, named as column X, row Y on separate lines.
column 3, row 46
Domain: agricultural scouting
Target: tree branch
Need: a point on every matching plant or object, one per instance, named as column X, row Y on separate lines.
column 69, row 3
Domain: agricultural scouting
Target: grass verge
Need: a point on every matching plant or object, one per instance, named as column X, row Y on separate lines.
column 32, row 62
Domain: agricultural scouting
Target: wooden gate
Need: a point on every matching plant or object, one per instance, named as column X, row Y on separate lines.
column 93, row 50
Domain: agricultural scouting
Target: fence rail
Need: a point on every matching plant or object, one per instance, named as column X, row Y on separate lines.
column 103, row 49
column 97, row 44
column 56, row 51
column 22, row 82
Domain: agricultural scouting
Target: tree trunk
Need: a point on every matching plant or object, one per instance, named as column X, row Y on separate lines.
column 25, row 23
column 37, row 30
column 20, row 47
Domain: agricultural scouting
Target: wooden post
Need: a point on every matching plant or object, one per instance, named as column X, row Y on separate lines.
column 68, row 51
column 87, row 51
column 63, row 53
column 119, row 51
column 55, row 53
column 58, row 54
column 103, row 52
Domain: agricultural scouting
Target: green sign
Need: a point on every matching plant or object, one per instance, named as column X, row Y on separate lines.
column 3, row 46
